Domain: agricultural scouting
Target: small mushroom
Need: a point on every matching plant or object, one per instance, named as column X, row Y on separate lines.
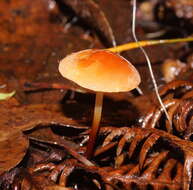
column 100, row 71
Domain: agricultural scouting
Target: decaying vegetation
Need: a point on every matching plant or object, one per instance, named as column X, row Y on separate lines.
column 45, row 120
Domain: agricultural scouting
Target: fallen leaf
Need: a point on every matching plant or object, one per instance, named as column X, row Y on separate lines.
column 4, row 96
column 13, row 147
column 26, row 117
column 18, row 118
column 94, row 16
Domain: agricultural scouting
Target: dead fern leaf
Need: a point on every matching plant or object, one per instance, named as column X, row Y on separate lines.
column 158, row 159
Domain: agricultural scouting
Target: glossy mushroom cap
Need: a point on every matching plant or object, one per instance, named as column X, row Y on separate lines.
column 100, row 70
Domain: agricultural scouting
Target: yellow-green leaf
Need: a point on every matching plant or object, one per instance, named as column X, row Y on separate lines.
column 4, row 96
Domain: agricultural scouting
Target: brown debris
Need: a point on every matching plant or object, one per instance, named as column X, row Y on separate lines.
column 44, row 127
column 93, row 15
column 183, row 8
column 13, row 147
column 177, row 98
column 25, row 117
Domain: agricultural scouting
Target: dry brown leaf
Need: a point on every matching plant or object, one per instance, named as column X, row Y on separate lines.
column 145, row 157
column 25, row 117
column 94, row 16
column 17, row 118
column 13, row 147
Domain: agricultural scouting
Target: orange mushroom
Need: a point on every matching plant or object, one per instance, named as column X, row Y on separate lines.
column 100, row 71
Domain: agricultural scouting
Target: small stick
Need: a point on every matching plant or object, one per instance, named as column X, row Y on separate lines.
column 134, row 45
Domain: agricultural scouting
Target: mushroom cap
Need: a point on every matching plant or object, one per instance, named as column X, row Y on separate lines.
column 100, row 70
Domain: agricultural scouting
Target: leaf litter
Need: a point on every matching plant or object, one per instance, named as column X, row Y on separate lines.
column 44, row 133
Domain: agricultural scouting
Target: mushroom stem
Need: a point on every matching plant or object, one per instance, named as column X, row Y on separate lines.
column 95, row 124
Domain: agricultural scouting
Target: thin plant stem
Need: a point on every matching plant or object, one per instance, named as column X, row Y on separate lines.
column 134, row 45
column 148, row 63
